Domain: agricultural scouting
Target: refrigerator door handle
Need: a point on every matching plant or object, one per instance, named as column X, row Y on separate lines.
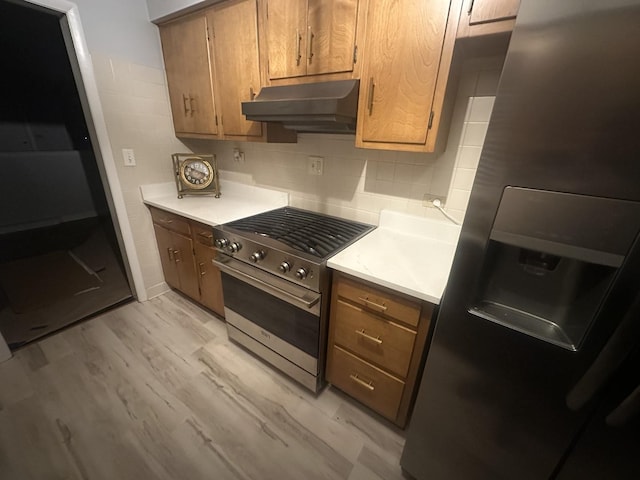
column 617, row 348
column 629, row 408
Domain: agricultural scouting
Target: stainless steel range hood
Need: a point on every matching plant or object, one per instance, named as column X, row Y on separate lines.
column 326, row 107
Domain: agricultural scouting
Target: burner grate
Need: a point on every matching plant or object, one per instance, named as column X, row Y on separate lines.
column 313, row 233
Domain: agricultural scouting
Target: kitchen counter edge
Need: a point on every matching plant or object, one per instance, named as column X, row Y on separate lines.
column 237, row 201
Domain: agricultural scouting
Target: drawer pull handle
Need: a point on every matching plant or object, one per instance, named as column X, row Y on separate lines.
column 203, row 272
column 177, row 256
column 372, row 87
column 206, row 238
column 369, row 303
column 185, row 102
column 359, row 381
column 166, row 220
column 170, row 253
column 369, row 337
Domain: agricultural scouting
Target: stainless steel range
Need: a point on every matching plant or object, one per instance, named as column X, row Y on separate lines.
column 276, row 285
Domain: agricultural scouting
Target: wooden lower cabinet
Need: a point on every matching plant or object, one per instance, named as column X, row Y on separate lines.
column 371, row 385
column 376, row 345
column 209, row 277
column 177, row 260
column 186, row 250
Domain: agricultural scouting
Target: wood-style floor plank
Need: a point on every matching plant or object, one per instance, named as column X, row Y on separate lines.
column 157, row 391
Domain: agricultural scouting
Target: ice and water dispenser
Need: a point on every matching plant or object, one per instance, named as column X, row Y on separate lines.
column 551, row 260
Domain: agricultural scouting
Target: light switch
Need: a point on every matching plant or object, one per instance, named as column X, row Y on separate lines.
column 129, row 157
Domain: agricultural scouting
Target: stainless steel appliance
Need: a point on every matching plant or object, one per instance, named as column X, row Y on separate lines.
column 318, row 107
column 276, row 285
column 533, row 367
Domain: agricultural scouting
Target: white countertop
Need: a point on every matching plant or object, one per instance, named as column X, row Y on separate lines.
column 237, row 201
column 409, row 254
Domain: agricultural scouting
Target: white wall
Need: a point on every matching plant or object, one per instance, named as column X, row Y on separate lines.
column 138, row 116
column 121, row 28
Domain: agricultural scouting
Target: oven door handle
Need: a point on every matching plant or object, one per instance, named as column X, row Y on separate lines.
column 265, row 287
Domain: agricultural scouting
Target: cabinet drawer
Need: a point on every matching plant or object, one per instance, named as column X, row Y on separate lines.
column 171, row 221
column 373, row 387
column 374, row 339
column 202, row 234
column 379, row 301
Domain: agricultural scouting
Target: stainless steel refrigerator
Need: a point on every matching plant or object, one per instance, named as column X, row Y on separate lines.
column 534, row 367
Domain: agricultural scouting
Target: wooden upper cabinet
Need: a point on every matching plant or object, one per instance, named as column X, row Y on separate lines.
column 408, row 51
column 493, row 10
column 310, row 37
column 237, row 63
column 189, row 77
column 487, row 17
column 331, row 35
column 286, row 29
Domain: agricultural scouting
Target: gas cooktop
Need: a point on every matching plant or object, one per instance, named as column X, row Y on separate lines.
column 309, row 232
column 289, row 242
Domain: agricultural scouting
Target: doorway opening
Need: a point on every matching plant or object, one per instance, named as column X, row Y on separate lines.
column 60, row 259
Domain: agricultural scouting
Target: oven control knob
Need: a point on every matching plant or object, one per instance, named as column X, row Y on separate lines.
column 257, row 256
column 285, row 267
column 301, row 273
column 221, row 242
column 234, row 247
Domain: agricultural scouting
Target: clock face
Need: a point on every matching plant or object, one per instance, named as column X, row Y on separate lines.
column 196, row 173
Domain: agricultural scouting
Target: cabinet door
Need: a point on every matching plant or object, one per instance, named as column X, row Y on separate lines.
column 167, row 256
column 185, row 264
column 483, row 11
column 186, row 57
column 286, row 38
column 210, row 279
column 331, row 36
column 235, row 49
column 404, row 43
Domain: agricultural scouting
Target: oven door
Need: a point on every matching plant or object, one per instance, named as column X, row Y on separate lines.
column 278, row 314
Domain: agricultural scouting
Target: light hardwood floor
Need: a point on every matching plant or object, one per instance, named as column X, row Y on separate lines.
column 156, row 391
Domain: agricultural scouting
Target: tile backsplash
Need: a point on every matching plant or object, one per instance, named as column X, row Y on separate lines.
column 358, row 183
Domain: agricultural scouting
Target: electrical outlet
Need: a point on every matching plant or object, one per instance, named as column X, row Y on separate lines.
column 427, row 200
column 315, row 165
column 238, row 156
column 129, row 157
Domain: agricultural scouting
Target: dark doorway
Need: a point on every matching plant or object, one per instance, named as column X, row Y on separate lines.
column 60, row 261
